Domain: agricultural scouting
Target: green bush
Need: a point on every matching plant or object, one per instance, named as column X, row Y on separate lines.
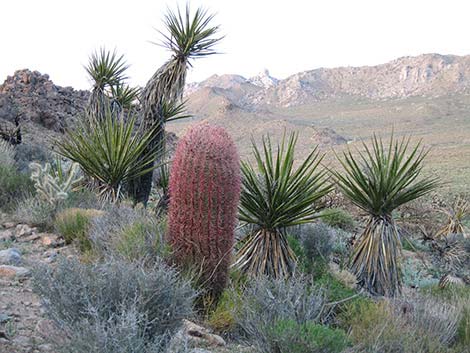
column 135, row 239
column 223, row 318
column 288, row 336
column 338, row 218
column 14, row 187
column 266, row 301
column 130, row 234
column 73, row 225
column 313, row 246
column 335, row 290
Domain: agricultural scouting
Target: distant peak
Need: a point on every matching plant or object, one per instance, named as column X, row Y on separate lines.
column 263, row 79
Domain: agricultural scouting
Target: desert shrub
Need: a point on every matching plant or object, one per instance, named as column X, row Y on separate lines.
column 267, row 301
column 82, row 198
column 128, row 233
column 416, row 324
column 14, row 186
column 123, row 334
column 7, row 154
column 288, row 336
column 459, row 296
column 313, row 246
column 94, row 302
column 35, row 212
column 25, row 153
column 73, row 225
column 338, row 218
column 417, row 275
column 222, row 319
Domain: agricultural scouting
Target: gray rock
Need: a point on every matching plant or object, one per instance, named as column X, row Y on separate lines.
column 10, row 256
column 7, row 271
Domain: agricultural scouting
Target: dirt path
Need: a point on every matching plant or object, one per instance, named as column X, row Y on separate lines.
column 23, row 327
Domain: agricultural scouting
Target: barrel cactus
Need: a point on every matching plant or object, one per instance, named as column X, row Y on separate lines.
column 204, row 192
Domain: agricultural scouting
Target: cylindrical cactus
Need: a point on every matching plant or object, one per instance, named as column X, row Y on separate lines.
column 204, row 192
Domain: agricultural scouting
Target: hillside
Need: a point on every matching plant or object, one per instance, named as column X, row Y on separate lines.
column 427, row 96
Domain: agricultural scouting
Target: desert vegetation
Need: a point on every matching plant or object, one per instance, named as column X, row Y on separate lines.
column 273, row 254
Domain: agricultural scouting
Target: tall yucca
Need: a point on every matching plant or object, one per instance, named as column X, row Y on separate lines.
column 107, row 71
column 275, row 196
column 188, row 36
column 378, row 181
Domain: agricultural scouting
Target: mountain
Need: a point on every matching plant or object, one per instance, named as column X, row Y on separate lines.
column 426, row 96
column 424, row 75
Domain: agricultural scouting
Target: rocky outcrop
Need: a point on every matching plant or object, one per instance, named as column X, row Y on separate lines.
column 36, row 99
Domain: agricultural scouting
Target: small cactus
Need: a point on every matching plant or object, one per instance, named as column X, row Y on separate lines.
column 53, row 184
column 204, row 192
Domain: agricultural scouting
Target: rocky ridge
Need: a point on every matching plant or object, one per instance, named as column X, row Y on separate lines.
column 36, row 99
column 423, row 75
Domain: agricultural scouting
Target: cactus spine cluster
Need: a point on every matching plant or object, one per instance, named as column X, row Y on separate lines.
column 204, row 192
column 53, row 184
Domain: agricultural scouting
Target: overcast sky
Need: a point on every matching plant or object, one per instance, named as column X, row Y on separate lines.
column 56, row 37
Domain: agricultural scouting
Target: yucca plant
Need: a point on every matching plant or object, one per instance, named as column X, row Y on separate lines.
column 455, row 218
column 274, row 196
column 109, row 152
column 107, row 71
column 378, row 181
column 188, row 36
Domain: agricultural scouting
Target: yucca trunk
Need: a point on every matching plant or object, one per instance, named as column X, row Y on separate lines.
column 165, row 85
column 266, row 253
column 376, row 256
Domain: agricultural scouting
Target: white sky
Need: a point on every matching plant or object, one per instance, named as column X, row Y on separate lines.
column 56, row 37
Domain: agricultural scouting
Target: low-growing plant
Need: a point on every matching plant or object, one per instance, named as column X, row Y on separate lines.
column 14, row 187
column 413, row 324
column 34, row 211
column 313, row 246
column 222, row 319
column 128, row 233
column 338, row 218
column 288, row 336
column 267, row 301
column 455, row 217
column 73, row 225
column 90, row 303
column 7, row 154
column 458, row 296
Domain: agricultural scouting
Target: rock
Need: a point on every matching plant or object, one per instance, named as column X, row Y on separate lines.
column 50, row 240
column 10, row 256
column 7, row 271
column 195, row 336
column 23, row 230
column 8, row 225
column 31, row 237
column 39, row 101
